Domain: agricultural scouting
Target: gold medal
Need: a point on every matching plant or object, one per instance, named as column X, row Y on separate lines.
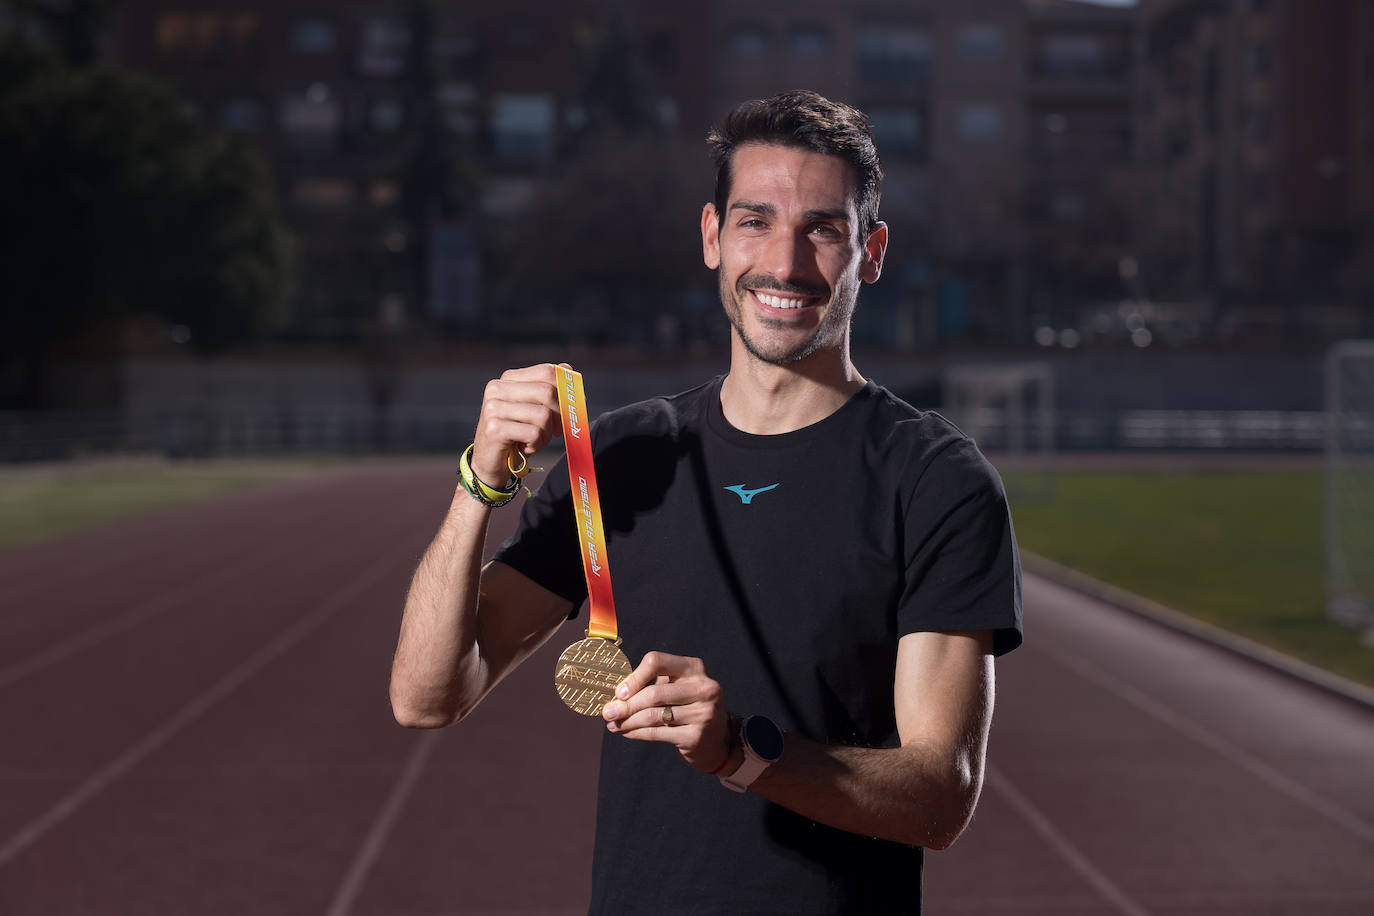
column 590, row 669
column 588, row 672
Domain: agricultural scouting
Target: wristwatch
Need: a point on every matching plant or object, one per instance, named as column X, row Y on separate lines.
column 762, row 742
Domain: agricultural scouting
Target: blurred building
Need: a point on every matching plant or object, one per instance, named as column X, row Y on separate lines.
column 1001, row 122
column 993, row 116
column 1258, row 141
column 334, row 97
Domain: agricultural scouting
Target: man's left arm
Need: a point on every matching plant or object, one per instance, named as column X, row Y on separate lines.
column 921, row 792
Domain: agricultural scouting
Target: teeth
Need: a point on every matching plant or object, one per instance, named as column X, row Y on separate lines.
column 778, row 302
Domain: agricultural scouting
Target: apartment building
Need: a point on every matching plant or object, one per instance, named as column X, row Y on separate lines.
column 997, row 120
column 327, row 94
column 1257, row 126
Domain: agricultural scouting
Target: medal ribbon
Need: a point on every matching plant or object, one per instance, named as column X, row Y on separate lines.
column 586, row 499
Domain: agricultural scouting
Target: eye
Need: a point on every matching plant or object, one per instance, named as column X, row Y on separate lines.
column 827, row 231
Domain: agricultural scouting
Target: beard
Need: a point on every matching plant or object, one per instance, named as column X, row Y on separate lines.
column 830, row 332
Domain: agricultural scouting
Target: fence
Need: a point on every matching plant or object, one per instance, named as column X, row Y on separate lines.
column 345, row 429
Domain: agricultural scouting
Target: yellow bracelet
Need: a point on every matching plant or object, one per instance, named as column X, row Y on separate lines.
column 480, row 491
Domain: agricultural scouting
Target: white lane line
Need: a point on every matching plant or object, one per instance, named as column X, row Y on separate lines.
column 167, row 601
column 95, row 635
column 1041, row 824
column 75, row 800
column 1210, row 739
column 375, row 841
column 177, row 521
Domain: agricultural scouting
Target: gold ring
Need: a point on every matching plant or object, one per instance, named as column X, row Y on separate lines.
column 666, row 717
column 524, row 468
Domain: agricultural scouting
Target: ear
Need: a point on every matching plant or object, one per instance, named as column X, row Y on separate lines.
column 875, row 248
column 710, row 236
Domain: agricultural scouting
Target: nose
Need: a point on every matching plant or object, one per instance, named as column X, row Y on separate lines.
column 791, row 258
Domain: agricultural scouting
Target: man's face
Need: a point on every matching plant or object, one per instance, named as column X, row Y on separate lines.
column 788, row 253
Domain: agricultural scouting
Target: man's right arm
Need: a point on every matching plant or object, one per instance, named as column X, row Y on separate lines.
column 466, row 626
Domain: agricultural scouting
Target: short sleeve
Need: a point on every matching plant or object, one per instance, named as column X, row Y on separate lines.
column 963, row 571
column 544, row 546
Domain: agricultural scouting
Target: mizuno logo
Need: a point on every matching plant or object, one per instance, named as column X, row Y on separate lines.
column 747, row 496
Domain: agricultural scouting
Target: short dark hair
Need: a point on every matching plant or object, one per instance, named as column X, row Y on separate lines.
column 807, row 120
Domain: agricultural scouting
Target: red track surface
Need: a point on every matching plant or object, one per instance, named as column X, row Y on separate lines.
column 195, row 721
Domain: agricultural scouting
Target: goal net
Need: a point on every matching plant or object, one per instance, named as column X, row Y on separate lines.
column 1350, row 483
column 1008, row 410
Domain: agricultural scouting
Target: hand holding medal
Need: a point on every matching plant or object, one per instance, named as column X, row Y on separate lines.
column 589, row 670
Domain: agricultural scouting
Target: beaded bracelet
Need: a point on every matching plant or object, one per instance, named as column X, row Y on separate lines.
column 490, row 496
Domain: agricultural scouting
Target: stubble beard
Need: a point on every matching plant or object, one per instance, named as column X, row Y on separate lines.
column 830, row 332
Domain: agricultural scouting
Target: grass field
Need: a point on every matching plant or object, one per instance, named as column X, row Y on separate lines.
column 1239, row 549
column 40, row 503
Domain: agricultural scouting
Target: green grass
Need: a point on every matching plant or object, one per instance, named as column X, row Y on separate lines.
column 38, row 504
column 1239, row 549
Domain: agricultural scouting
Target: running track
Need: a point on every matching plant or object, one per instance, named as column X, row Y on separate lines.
column 194, row 720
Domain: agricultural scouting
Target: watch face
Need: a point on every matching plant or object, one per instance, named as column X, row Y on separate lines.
column 763, row 737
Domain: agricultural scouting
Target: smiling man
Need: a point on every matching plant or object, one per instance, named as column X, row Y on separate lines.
column 814, row 575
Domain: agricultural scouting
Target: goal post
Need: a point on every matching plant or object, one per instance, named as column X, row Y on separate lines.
column 1008, row 409
column 1349, row 512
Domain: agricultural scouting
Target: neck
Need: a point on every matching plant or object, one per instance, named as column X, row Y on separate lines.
column 767, row 400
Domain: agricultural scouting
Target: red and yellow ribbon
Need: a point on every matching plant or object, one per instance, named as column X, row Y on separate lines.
column 586, row 503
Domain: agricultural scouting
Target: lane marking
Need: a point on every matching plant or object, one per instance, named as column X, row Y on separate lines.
column 377, row 836
column 142, row 551
column 1209, row 739
column 112, row 771
column 167, row 601
column 1041, row 824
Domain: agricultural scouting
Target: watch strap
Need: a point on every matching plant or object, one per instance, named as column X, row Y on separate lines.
column 745, row 773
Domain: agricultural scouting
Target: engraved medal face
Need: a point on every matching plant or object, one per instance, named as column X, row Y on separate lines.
column 588, row 672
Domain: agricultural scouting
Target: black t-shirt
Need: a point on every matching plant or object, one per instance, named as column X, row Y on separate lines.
column 792, row 565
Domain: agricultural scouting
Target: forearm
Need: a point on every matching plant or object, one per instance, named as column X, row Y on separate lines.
column 438, row 673
column 922, row 796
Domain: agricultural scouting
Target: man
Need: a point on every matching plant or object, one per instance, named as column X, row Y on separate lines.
column 791, row 544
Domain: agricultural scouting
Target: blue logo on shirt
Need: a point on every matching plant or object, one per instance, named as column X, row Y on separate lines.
column 747, row 496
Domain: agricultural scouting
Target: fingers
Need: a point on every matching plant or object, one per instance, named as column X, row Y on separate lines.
column 697, row 726
column 656, row 664
column 519, row 413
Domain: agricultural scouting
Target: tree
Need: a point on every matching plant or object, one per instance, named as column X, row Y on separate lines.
column 120, row 203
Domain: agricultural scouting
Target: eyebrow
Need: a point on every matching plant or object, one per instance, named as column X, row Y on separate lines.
column 767, row 209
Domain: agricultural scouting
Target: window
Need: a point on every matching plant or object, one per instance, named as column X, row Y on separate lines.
column 323, row 193
column 980, row 122
column 522, row 126
column 810, row 40
column 1067, row 206
column 750, row 41
column 205, row 34
column 313, row 36
column 310, row 119
column 666, row 108
column 384, row 192
column 890, row 54
column 241, row 115
column 1072, row 54
column 457, row 101
column 896, row 132
column 1259, row 60
column 980, row 42
column 386, row 115
column 382, row 48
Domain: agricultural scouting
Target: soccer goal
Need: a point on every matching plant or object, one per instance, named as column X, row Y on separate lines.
column 1350, row 483
column 1008, row 409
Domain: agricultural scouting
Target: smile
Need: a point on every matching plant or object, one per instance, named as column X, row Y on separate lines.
column 772, row 300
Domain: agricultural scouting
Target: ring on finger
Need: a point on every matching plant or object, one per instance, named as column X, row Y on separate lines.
column 666, row 716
